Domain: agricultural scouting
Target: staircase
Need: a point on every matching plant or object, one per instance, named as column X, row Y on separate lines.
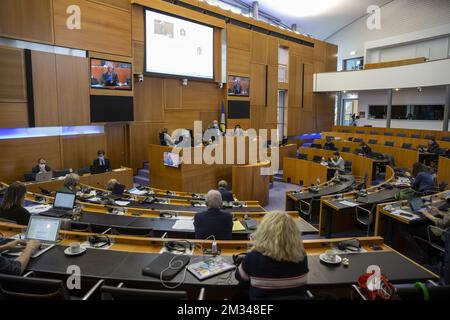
column 143, row 176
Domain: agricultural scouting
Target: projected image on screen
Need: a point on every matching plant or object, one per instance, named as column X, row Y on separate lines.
column 110, row 75
column 178, row 47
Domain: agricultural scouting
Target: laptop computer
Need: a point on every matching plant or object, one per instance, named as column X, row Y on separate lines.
column 117, row 191
column 44, row 176
column 63, row 205
column 210, row 267
column 166, row 266
column 44, row 229
column 416, row 204
column 98, row 169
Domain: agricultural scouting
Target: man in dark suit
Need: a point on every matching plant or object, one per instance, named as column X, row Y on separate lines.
column 40, row 167
column 101, row 161
column 110, row 78
column 223, row 189
column 213, row 222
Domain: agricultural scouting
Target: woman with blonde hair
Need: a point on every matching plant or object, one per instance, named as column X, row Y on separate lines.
column 277, row 265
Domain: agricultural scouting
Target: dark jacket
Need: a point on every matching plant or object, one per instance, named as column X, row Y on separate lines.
column 65, row 189
column 17, row 214
column 423, row 182
column 96, row 163
column 226, row 195
column 213, row 222
column 10, row 266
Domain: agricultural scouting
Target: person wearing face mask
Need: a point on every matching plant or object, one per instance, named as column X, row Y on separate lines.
column 102, row 161
column 41, row 166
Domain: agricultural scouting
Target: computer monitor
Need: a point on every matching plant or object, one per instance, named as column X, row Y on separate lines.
column 64, row 201
column 98, row 169
column 43, row 229
column 44, row 176
column 416, row 204
column 171, row 159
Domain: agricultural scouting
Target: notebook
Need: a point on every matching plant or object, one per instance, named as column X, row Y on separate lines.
column 168, row 264
column 210, row 267
column 237, row 226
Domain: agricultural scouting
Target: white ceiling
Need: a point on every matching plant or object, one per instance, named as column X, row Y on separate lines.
column 326, row 16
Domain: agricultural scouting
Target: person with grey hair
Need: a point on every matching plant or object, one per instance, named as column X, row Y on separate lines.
column 223, row 189
column 70, row 183
column 213, row 222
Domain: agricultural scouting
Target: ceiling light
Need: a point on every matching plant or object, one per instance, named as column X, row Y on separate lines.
column 352, row 53
column 300, row 8
column 397, row 89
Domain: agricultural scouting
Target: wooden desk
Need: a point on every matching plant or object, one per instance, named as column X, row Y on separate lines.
column 287, row 151
column 248, row 183
column 303, row 172
column 444, row 170
column 123, row 175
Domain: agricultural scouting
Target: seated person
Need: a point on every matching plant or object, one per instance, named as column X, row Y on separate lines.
column 433, row 146
column 70, row 183
column 423, row 180
column 111, row 184
column 40, row 167
column 223, row 189
column 167, row 138
column 110, row 77
column 338, row 162
column 329, row 145
column 17, row 266
column 213, row 222
column 101, row 161
column 12, row 205
column 277, row 265
column 366, row 150
column 440, row 220
column 238, row 132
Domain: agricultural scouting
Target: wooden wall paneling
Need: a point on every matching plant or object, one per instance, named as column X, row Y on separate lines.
column 307, row 122
column 272, row 95
column 239, row 38
column 238, row 61
column 257, row 116
column 141, row 135
column 260, row 45
column 44, row 89
column 258, row 84
column 444, row 170
column 20, row 155
column 324, row 104
column 293, row 121
column 295, row 81
column 117, row 144
column 73, row 90
column 272, row 51
column 172, row 94
column 308, row 87
column 199, row 95
column 331, row 58
column 13, row 86
column 121, row 4
column 80, row 151
column 138, row 57
column 138, row 25
column 103, row 28
column 27, row 20
column 175, row 119
column 148, row 100
column 13, row 115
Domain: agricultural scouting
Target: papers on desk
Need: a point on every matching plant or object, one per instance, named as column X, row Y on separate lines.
column 138, row 192
column 405, row 214
column 237, row 226
column 183, row 225
column 348, row 203
column 95, row 199
column 38, row 209
column 183, row 218
column 122, row 203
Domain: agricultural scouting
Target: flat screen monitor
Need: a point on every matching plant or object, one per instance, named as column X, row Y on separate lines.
column 238, row 86
column 43, row 229
column 111, row 75
column 179, row 47
column 64, row 200
column 238, row 109
column 171, row 159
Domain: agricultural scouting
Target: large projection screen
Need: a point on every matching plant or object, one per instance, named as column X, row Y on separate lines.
column 178, row 47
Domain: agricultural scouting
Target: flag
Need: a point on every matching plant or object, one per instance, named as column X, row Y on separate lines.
column 223, row 125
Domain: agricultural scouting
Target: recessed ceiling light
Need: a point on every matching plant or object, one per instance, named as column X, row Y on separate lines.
column 397, row 89
column 352, row 53
column 300, row 8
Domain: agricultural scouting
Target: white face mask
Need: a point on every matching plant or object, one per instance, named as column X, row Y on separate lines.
column 101, row 157
column 42, row 167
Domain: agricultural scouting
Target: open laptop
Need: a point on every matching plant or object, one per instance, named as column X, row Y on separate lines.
column 44, row 229
column 63, row 205
column 117, row 191
column 44, row 176
column 416, row 204
column 98, row 169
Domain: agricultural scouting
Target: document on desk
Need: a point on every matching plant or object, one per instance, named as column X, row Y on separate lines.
column 405, row 214
column 348, row 203
column 183, row 225
column 38, row 209
column 122, row 203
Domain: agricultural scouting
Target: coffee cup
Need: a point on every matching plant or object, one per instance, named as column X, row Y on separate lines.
column 331, row 255
column 75, row 247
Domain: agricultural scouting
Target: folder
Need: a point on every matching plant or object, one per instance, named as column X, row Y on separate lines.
column 237, row 226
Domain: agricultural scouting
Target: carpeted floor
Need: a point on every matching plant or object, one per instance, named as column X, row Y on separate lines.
column 277, row 195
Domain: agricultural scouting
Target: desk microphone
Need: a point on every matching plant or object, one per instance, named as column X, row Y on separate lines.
column 214, row 248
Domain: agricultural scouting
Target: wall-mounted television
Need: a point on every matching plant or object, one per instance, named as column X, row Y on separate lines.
column 178, row 47
column 171, row 159
column 238, row 109
column 112, row 75
column 238, row 86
